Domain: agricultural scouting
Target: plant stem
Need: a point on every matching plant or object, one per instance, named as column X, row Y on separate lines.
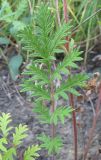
column 66, row 20
column 71, row 98
column 57, row 12
column 65, row 10
column 52, row 109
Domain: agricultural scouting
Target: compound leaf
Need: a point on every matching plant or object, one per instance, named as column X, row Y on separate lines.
column 60, row 113
column 5, row 120
column 9, row 154
column 53, row 145
column 20, row 134
column 31, row 153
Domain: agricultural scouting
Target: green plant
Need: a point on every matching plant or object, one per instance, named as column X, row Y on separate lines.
column 42, row 43
column 9, row 145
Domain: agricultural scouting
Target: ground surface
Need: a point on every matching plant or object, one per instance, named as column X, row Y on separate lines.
column 21, row 110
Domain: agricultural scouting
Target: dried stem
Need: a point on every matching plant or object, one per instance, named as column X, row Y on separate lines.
column 91, row 131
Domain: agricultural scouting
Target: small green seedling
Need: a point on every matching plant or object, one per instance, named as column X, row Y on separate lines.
column 9, row 147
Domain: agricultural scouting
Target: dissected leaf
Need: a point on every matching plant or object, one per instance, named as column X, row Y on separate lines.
column 36, row 74
column 20, row 134
column 36, row 90
column 9, row 154
column 31, row 153
column 5, row 120
column 53, row 145
column 60, row 114
column 3, row 142
column 43, row 112
column 78, row 80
